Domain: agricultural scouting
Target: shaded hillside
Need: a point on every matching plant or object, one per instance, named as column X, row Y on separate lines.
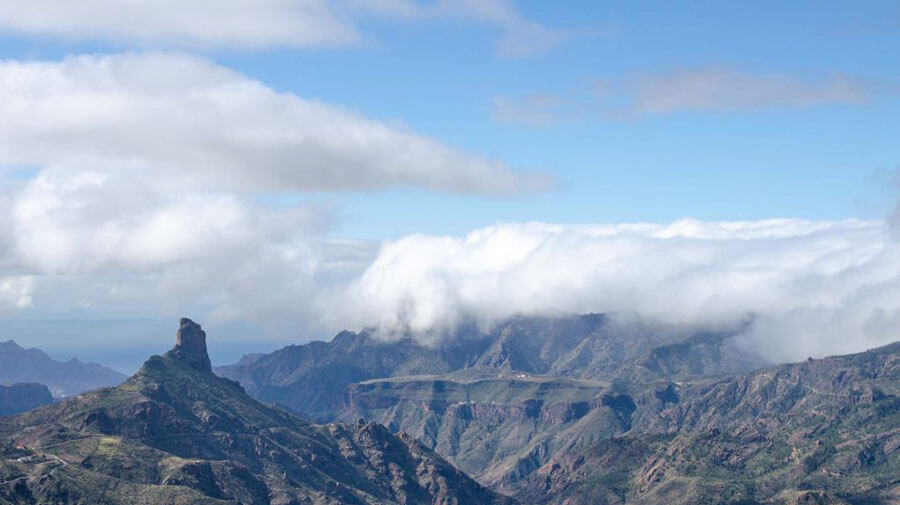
column 176, row 433
column 822, row 432
column 311, row 378
column 62, row 378
column 15, row 398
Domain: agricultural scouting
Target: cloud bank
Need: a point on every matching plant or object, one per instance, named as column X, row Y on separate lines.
column 90, row 243
column 815, row 288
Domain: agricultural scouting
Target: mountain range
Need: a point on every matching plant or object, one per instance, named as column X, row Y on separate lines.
column 576, row 410
column 498, row 404
column 610, row 409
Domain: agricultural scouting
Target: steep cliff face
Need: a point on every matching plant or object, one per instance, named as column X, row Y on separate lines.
column 15, row 398
column 176, row 433
column 496, row 427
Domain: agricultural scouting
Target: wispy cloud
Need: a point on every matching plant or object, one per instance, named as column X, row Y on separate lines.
column 723, row 89
column 711, row 89
column 263, row 23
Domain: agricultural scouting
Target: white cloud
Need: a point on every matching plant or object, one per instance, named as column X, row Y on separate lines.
column 208, row 126
column 262, row 23
column 816, row 287
column 144, row 183
column 103, row 242
column 111, row 240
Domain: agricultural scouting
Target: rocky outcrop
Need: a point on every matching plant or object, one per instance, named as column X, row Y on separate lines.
column 190, row 345
column 15, row 398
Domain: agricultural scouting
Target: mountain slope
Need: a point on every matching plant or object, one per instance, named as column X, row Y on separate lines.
column 63, row 378
column 176, row 433
column 822, row 431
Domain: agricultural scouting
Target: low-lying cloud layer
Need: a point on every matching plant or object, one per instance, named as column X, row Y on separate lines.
column 815, row 288
column 88, row 243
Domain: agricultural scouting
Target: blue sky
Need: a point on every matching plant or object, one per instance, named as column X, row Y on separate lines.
column 816, row 162
column 626, row 111
column 821, row 161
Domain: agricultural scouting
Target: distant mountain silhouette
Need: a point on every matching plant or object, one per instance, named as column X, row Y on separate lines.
column 62, row 378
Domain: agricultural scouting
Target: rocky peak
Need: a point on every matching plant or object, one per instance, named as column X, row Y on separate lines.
column 190, row 345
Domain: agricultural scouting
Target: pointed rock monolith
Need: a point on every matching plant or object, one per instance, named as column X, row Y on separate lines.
column 190, row 345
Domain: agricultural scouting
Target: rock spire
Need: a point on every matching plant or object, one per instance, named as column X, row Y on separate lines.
column 190, row 345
